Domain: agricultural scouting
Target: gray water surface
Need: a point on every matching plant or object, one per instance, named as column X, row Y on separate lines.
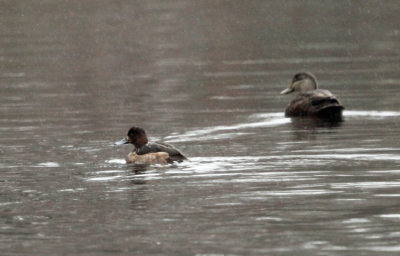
column 204, row 76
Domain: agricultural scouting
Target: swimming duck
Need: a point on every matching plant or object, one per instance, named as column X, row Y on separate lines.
column 149, row 152
column 311, row 101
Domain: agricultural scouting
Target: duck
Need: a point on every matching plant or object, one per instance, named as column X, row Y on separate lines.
column 311, row 101
column 146, row 152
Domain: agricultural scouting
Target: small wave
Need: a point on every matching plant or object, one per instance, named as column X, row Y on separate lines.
column 212, row 164
column 367, row 185
column 394, row 248
column 272, row 120
column 72, row 190
column 372, row 114
column 267, row 115
column 105, row 178
column 10, row 203
column 387, row 195
column 356, row 220
column 391, row 216
column 49, row 164
column 306, row 192
column 116, row 161
column 386, row 171
column 109, row 172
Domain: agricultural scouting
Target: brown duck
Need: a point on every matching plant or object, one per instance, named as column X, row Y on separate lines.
column 149, row 152
column 311, row 101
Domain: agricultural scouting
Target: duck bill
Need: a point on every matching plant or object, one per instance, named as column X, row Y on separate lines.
column 287, row 91
column 122, row 142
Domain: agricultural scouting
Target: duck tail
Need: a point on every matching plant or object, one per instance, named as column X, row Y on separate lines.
column 332, row 112
column 177, row 158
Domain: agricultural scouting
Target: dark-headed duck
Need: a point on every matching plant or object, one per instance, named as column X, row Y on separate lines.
column 311, row 101
column 149, row 152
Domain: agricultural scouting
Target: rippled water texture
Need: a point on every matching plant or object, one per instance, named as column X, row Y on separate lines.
column 204, row 76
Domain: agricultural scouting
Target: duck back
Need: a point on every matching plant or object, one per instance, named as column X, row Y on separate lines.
column 317, row 103
column 154, row 147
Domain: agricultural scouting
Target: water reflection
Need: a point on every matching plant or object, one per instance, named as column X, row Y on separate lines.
column 139, row 168
column 310, row 128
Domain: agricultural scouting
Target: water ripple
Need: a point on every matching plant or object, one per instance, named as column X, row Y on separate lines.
column 271, row 120
column 264, row 120
column 371, row 114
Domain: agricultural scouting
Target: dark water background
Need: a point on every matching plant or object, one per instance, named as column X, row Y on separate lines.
column 204, row 76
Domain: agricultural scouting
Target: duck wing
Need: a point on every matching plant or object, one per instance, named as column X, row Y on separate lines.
column 318, row 103
column 153, row 147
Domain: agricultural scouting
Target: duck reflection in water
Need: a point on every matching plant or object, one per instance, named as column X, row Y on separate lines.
column 311, row 101
column 139, row 169
column 149, row 152
column 312, row 129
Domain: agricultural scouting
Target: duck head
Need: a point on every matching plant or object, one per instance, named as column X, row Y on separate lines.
column 136, row 136
column 302, row 82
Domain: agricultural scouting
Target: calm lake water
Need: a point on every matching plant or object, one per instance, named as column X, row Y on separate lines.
column 204, row 76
